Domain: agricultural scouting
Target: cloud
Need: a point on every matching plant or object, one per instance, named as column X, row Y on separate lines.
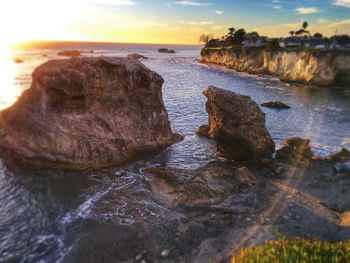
column 191, row 3
column 155, row 24
column 307, row 10
column 115, row 2
column 345, row 3
column 197, row 23
column 219, row 12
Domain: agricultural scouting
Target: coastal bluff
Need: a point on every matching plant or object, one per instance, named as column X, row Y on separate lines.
column 87, row 113
column 307, row 66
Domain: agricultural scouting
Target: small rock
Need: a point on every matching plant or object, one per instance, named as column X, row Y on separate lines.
column 295, row 150
column 178, row 137
column 275, row 105
column 18, row 60
column 138, row 257
column 266, row 161
column 279, row 170
column 165, row 50
column 203, row 131
column 69, row 53
column 165, row 253
column 341, row 156
column 136, row 56
column 143, row 261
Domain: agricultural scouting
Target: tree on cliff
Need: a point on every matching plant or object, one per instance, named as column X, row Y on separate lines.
column 231, row 32
column 205, row 38
column 239, row 37
column 292, row 33
column 318, row 35
column 305, row 25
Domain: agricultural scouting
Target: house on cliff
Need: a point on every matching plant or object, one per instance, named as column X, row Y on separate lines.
column 254, row 40
column 289, row 42
column 312, row 42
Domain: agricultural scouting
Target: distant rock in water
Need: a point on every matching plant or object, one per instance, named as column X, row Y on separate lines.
column 275, row 105
column 136, row 56
column 237, row 124
column 87, row 113
column 18, row 60
column 295, row 150
column 203, row 131
column 165, row 50
column 69, row 53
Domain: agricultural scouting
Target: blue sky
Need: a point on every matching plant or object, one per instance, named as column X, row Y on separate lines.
column 169, row 21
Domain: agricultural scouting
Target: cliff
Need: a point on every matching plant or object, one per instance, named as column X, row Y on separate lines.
column 318, row 67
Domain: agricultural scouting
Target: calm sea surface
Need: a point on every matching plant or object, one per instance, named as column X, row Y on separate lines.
column 43, row 214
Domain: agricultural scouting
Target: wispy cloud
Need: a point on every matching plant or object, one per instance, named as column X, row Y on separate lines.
column 155, row 24
column 115, row 2
column 219, row 12
column 307, row 10
column 345, row 3
column 197, row 23
column 192, row 3
column 275, row 4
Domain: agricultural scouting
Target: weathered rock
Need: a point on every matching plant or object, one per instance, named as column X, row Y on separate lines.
column 275, row 105
column 87, row 113
column 295, row 150
column 165, row 50
column 69, row 53
column 341, row 156
column 136, row 56
column 203, row 131
column 215, row 186
column 237, row 124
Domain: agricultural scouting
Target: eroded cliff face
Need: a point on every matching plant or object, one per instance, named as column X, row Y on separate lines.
column 318, row 67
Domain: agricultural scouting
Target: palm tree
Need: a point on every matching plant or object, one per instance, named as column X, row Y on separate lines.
column 305, row 25
column 292, row 33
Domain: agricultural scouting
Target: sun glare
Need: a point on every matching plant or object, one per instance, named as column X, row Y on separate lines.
column 37, row 20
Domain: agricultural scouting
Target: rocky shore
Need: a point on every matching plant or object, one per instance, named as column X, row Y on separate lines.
column 89, row 113
column 317, row 67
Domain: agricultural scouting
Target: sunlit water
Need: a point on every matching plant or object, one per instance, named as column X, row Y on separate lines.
column 43, row 213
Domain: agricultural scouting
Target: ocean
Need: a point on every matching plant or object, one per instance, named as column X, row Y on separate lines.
column 45, row 215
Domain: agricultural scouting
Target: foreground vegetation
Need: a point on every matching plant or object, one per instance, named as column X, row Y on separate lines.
column 295, row 250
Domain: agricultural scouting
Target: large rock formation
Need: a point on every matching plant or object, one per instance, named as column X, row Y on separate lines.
column 87, row 113
column 237, row 124
column 319, row 67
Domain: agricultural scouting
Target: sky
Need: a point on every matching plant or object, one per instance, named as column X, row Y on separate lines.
column 164, row 21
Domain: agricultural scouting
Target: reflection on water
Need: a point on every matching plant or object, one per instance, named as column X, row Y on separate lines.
column 42, row 213
column 9, row 91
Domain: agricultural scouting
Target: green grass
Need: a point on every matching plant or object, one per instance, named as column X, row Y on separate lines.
column 295, row 250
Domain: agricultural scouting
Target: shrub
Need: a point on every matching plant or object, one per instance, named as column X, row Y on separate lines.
column 295, row 250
